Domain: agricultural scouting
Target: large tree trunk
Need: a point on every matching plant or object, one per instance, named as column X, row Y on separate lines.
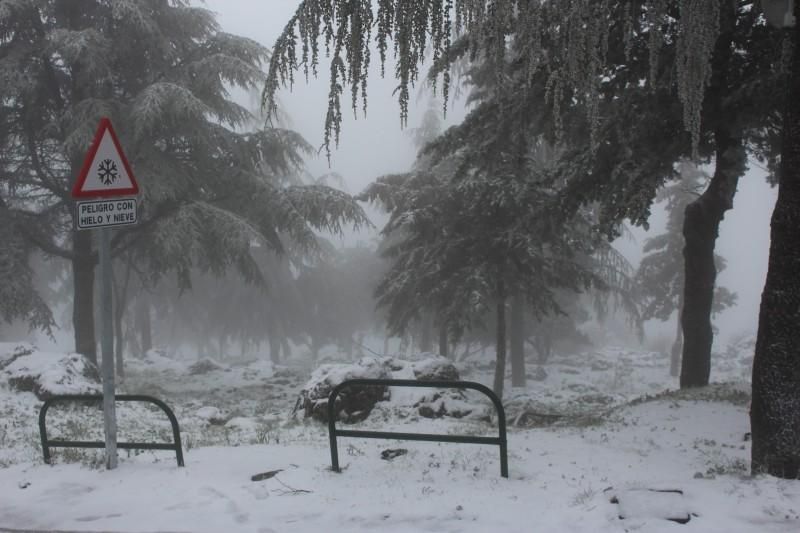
column 83, row 301
column 700, row 230
column 775, row 410
column 517, row 334
column 500, row 367
column 703, row 216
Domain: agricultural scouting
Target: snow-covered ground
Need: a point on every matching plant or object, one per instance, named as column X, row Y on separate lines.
column 600, row 445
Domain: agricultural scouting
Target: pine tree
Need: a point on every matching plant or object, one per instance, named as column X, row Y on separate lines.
column 631, row 88
column 209, row 190
column 661, row 272
column 464, row 242
column 775, row 411
column 19, row 299
column 715, row 64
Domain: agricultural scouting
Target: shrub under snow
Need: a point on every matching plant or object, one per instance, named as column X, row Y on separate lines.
column 46, row 374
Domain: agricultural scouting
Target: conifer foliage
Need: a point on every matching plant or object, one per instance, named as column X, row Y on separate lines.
column 19, row 299
column 462, row 241
column 628, row 88
column 568, row 40
column 162, row 70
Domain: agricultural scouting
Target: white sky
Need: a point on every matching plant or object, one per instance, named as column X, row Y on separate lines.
column 375, row 146
column 369, row 147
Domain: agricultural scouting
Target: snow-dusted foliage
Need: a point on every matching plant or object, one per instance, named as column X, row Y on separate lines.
column 163, row 72
column 18, row 296
column 465, row 234
column 567, row 40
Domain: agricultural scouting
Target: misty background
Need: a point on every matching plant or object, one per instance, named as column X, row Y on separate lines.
column 376, row 145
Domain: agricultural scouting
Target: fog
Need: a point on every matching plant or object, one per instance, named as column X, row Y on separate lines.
column 376, row 145
column 475, row 302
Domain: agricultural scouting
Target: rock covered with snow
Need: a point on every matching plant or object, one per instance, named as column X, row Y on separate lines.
column 46, row 374
column 242, row 423
column 205, row 366
column 449, row 402
column 435, row 368
column 155, row 360
column 356, row 404
column 212, row 415
column 352, row 405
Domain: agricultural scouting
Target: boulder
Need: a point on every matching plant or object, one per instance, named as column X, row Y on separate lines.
column 600, row 365
column 50, row 373
column 435, row 369
column 154, row 360
column 212, row 415
column 540, row 374
column 205, row 366
column 451, row 402
column 352, row 405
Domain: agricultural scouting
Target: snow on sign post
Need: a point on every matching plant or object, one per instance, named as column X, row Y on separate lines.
column 105, row 194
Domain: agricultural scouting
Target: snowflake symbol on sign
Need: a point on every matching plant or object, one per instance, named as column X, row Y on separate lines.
column 107, row 171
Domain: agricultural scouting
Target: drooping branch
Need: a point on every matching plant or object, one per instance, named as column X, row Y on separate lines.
column 568, row 39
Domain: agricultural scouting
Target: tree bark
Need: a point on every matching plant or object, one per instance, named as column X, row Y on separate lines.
column 426, row 334
column 274, row 349
column 143, row 322
column 286, row 350
column 775, row 409
column 677, row 346
column 120, row 304
column 119, row 343
column 700, row 230
column 83, row 300
column 500, row 366
column 703, row 216
column 443, row 348
column 675, row 355
column 517, row 334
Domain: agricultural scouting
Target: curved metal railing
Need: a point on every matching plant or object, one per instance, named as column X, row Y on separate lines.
column 500, row 440
column 59, row 443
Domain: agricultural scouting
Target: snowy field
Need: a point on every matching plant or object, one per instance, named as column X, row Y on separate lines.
column 602, row 444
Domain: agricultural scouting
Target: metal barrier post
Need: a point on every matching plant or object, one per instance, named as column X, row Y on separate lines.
column 175, row 445
column 500, row 440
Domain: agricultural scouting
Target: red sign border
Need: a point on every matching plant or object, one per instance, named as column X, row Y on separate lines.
column 77, row 192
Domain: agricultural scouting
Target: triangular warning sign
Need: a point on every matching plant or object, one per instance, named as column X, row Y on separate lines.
column 105, row 172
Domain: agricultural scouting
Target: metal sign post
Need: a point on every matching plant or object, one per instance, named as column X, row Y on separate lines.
column 106, row 175
column 107, row 348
